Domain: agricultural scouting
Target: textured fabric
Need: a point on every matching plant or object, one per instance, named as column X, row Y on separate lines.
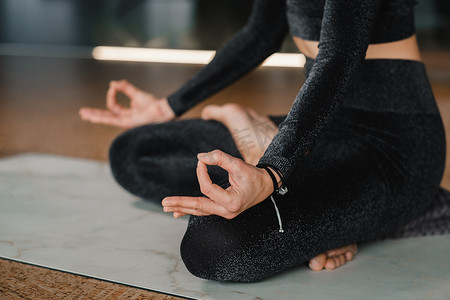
column 435, row 219
column 344, row 38
column 261, row 37
column 374, row 136
column 373, row 172
column 395, row 19
column 344, row 30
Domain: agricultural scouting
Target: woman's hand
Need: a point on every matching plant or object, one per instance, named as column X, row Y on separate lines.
column 249, row 186
column 144, row 108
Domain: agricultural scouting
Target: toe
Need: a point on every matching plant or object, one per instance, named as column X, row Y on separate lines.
column 211, row 112
column 339, row 256
column 318, row 262
column 341, row 250
column 330, row 264
column 348, row 255
column 337, row 261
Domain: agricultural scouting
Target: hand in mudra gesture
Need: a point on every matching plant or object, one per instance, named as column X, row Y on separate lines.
column 144, row 108
column 249, row 186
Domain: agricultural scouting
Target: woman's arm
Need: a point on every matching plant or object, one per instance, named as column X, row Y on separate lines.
column 344, row 38
column 261, row 37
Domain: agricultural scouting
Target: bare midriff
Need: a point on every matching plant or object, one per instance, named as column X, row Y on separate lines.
column 403, row 49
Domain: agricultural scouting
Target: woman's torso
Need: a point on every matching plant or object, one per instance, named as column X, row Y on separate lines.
column 392, row 36
column 391, row 85
column 403, row 49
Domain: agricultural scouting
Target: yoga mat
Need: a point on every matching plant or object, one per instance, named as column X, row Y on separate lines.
column 69, row 214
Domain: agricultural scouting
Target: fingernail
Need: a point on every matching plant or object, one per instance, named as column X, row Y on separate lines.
column 201, row 155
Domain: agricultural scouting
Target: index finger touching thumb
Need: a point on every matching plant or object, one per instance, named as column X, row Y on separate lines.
column 219, row 158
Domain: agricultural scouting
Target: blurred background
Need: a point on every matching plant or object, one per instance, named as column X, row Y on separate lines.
column 180, row 24
column 47, row 70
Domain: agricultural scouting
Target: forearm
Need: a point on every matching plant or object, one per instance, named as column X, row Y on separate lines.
column 344, row 39
column 261, row 37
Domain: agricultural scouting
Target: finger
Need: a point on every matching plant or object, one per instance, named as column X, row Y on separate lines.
column 177, row 215
column 89, row 114
column 192, row 205
column 179, row 212
column 103, row 117
column 111, row 99
column 221, row 159
column 92, row 114
column 127, row 88
column 207, row 187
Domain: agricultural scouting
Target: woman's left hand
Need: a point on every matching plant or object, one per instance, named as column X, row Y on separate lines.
column 249, row 186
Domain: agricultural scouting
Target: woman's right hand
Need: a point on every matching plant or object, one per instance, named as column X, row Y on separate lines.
column 144, row 108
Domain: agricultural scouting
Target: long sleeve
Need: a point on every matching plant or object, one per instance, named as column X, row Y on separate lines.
column 344, row 38
column 261, row 37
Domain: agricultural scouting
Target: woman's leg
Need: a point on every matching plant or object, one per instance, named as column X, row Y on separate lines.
column 155, row 161
column 254, row 132
column 316, row 214
column 354, row 186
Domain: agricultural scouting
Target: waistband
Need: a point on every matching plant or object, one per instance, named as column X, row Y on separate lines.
column 394, row 85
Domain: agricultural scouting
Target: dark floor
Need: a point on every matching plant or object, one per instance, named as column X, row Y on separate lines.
column 40, row 98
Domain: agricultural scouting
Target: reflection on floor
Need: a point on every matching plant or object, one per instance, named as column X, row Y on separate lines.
column 39, row 100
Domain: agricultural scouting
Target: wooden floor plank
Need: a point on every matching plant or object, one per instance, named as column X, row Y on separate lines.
column 23, row 281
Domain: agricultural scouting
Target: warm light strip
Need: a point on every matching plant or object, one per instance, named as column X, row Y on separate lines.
column 290, row 60
column 175, row 56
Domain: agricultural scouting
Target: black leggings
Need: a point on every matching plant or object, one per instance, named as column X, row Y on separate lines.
column 371, row 172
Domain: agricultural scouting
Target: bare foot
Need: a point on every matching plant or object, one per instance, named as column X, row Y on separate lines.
column 251, row 131
column 333, row 259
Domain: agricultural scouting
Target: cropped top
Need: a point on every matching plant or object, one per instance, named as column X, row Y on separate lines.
column 344, row 29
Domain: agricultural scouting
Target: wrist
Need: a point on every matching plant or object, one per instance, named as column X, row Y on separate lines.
column 268, row 187
column 166, row 111
column 277, row 177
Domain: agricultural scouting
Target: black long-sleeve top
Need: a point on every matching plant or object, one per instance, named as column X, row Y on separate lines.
column 344, row 29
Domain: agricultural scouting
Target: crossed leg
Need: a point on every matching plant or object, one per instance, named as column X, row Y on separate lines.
column 259, row 132
column 155, row 161
column 336, row 198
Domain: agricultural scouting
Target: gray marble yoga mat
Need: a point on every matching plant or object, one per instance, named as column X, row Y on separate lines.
column 69, row 214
